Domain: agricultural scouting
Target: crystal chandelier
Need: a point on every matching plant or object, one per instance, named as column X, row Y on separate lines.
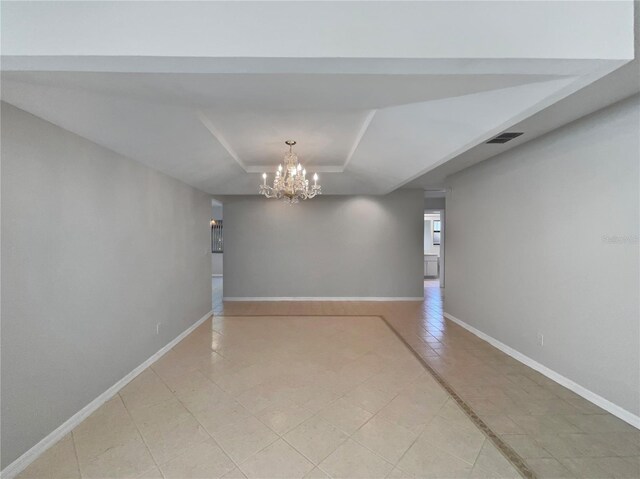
column 290, row 182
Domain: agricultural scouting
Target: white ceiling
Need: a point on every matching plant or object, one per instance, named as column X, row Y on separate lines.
column 368, row 125
column 616, row 86
column 579, row 29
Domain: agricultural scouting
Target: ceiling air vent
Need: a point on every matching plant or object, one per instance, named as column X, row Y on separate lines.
column 504, row 137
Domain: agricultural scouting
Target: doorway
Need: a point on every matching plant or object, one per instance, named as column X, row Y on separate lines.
column 217, row 250
column 434, row 246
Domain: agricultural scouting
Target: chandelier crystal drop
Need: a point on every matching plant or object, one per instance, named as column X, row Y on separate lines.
column 290, row 182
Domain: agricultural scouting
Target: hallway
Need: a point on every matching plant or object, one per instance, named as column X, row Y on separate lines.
column 545, row 429
column 280, row 397
column 326, row 173
column 328, row 389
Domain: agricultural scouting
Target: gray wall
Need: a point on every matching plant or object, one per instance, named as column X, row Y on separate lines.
column 434, row 203
column 332, row 246
column 544, row 239
column 96, row 249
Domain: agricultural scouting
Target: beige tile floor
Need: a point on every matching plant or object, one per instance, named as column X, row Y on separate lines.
column 279, row 397
column 338, row 395
column 557, row 433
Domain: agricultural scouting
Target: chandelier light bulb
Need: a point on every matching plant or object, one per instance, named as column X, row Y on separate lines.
column 289, row 182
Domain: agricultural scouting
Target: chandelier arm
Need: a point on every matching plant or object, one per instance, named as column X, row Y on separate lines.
column 290, row 183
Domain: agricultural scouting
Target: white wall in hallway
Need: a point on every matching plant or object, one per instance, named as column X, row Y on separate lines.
column 544, row 239
column 97, row 250
column 330, row 246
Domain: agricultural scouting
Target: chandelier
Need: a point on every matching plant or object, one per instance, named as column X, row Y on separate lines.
column 290, row 183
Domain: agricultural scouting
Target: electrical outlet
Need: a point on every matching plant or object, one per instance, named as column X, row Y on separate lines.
column 157, row 328
column 540, row 339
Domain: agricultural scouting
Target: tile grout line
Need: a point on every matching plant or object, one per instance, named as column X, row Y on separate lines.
column 349, row 436
column 75, row 451
column 308, row 458
column 431, row 420
column 199, row 423
column 503, row 447
column 428, row 333
column 237, row 465
column 416, row 439
column 144, row 441
column 255, row 416
column 251, row 414
column 395, row 465
column 316, row 415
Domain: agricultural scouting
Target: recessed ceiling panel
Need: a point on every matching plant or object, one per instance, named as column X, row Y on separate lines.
column 217, row 132
column 325, row 139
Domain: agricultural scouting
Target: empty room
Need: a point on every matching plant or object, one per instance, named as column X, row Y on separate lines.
column 320, row 239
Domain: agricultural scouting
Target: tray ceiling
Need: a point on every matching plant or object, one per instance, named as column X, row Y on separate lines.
column 367, row 122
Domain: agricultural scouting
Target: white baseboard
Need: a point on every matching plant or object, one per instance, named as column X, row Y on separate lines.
column 323, row 298
column 17, row 466
column 217, row 275
column 596, row 399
